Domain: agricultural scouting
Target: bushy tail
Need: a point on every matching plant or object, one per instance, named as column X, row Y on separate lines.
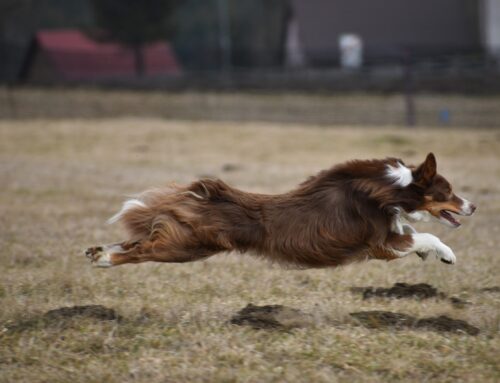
column 139, row 215
column 129, row 205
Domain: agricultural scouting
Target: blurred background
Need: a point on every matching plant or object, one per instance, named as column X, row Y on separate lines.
column 393, row 62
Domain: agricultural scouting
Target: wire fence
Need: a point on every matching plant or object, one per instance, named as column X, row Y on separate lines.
column 339, row 109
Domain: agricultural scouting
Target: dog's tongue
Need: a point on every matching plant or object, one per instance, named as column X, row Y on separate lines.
column 447, row 215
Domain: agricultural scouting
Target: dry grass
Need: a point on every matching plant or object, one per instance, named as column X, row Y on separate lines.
column 61, row 180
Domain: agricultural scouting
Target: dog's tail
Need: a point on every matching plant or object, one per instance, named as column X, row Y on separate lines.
column 140, row 214
column 129, row 205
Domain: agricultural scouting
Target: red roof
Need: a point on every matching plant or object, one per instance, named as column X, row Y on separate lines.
column 75, row 56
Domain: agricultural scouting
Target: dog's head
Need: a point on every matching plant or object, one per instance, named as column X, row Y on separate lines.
column 439, row 200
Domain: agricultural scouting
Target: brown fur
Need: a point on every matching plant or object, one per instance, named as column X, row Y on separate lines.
column 341, row 215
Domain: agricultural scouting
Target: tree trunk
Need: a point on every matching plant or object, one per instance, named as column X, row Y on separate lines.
column 138, row 60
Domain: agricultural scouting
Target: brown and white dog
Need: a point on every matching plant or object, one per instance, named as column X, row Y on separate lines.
column 354, row 211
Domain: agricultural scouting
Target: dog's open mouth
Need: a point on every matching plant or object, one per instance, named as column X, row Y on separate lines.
column 447, row 215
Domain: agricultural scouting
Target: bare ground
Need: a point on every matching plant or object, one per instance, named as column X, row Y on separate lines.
column 61, row 179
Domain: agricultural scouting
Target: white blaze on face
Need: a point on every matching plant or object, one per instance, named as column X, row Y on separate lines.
column 467, row 207
column 400, row 175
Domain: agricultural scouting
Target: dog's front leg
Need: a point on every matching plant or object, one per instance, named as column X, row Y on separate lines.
column 408, row 229
column 420, row 243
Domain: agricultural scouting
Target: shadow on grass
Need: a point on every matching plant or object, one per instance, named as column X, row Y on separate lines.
column 272, row 317
column 277, row 317
column 387, row 319
column 400, row 290
column 64, row 317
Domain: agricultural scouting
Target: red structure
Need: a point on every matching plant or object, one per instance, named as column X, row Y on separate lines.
column 69, row 55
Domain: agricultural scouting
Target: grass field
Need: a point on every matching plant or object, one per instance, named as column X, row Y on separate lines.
column 61, row 179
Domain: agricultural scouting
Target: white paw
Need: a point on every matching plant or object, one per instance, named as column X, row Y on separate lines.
column 427, row 243
column 104, row 260
column 99, row 256
column 445, row 254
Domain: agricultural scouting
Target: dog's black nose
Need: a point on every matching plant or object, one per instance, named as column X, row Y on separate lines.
column 472, row 208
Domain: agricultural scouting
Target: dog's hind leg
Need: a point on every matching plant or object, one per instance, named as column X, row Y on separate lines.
column 161, row 234
column 101, row 256
column 144, row 251
column 168, row 241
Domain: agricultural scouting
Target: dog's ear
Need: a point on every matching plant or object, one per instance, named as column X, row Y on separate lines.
column 426, row 171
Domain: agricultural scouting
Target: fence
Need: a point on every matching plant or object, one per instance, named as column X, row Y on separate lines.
column 340, row 109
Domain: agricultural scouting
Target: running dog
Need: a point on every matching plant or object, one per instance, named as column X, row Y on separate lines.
column 354, row 211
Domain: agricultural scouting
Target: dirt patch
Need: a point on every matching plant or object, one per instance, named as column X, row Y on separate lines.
column 405, row 290
column 400, row 290
column 493, row 289
column 387, row 319
column 91, row 311
column 63, row 317
column 271, row 317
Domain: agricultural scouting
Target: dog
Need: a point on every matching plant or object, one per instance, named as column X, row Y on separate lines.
column 355, row 211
